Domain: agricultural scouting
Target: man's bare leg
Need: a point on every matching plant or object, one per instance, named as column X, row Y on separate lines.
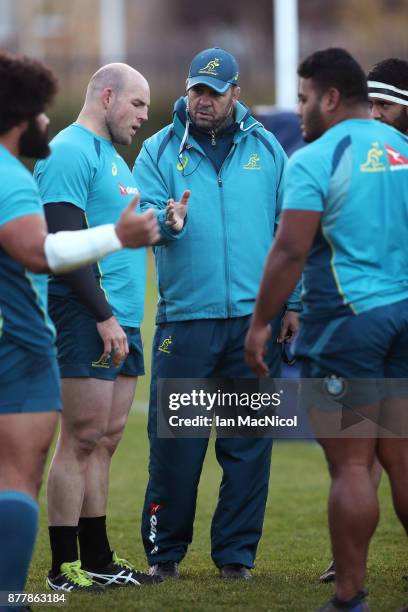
column 393, row 454
column 95, row 549
column 376, row 473
column 87, row 405
column 97, row 475
column 353, row 509
column 24, row 442
column 329, row 574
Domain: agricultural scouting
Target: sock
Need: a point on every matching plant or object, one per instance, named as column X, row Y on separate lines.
column 351, row 603
column 93, row 542
column 63, row 541
column 18, row 528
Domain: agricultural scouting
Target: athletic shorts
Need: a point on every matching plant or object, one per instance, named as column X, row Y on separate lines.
column 80, row 347
column 365, row 353
column 29, row 382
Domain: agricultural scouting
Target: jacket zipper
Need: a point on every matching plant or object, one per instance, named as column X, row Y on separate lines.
column 226, row 266
column 226, row 270
column 220, row 185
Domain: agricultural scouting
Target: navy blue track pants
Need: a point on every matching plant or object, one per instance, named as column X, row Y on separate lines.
column 204, row 349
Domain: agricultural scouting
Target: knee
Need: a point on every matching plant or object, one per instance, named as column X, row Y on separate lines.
column 85, row 440
column 26, row 478
column 393, row 458
column 110, row 440
column 348, row 468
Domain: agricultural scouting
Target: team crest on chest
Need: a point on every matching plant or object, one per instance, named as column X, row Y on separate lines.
column 374, row 162
column 253, row 162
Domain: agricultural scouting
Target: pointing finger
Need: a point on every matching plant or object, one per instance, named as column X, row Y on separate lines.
column 184, row 198
column 134, row 203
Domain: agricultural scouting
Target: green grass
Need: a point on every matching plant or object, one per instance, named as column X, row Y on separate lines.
column 293, row 551
column 142, row 393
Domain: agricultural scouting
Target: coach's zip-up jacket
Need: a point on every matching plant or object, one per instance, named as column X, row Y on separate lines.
column 213, row 267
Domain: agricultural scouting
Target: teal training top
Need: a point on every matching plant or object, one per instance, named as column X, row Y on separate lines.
column 23, row 295
column 212, row 268
column 356, row 176
column 86, row 170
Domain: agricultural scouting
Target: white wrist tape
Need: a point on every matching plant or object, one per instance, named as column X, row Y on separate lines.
column 66, row 251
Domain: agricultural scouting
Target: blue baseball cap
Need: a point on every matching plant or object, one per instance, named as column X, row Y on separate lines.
column 215, row 68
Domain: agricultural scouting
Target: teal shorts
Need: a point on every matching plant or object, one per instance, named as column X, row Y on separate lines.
column 355, row 360
column 29, row 382
column 372, row 344
column 80, row 347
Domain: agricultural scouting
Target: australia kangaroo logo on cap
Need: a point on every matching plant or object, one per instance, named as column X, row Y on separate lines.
column 210, row 68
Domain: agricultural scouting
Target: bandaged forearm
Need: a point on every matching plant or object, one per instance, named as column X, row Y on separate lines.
column 66, row 251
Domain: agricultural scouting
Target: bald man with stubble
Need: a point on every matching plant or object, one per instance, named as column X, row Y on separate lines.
column 97, row 312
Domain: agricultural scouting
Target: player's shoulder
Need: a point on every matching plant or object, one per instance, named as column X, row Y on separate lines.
column 320, row 153
column 269, row 140
column 368, row 137
column 18, row 190
column 261, row 130
column 391, row 133
column 72, row 149
column 74, row 143
column 14, row 174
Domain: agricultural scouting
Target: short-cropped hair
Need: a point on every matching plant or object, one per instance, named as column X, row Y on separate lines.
column 392, row 71
column 336, row 68
column 27, row 88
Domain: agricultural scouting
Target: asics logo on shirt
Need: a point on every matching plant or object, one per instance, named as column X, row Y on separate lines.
column 182, row 163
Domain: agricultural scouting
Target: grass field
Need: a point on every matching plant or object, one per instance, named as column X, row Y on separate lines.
column 293, row 551
column 142, row 394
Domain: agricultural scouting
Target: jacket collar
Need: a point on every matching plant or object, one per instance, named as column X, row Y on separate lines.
column 181, row 123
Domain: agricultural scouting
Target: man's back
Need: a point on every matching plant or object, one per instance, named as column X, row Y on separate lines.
column 355, row 175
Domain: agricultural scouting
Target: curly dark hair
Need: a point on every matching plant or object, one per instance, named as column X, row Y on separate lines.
column 335, row 67
column 27, row 88
column 393, row 71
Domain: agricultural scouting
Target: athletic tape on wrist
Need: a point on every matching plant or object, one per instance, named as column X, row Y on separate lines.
column 66, row 251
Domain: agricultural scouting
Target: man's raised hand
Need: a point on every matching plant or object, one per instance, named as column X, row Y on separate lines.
column 136, row 230
column 176, row 211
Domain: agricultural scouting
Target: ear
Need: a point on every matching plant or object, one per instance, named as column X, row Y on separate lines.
column 106, row 97
column 330, row 100
column 236, row 92
column 22, row 126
